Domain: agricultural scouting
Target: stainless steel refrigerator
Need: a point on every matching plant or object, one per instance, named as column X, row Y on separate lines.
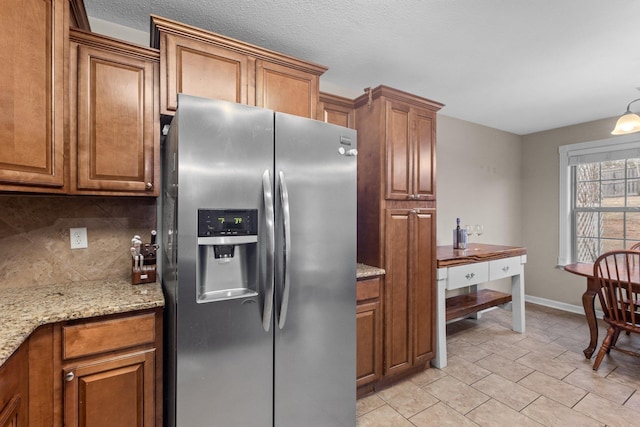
column 259, row 244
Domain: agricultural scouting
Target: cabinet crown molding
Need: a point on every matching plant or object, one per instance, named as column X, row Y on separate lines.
column 398, row 95
column 160, row 24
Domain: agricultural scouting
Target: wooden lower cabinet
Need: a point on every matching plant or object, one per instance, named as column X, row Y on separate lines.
column 409, row 289
column 111, row 371
column 368, row 333
column 14, row 390
column 111, row 391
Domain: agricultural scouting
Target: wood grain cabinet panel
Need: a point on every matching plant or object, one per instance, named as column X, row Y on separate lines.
column 202, row 63
column 368, row 332
column 115, row 129
column 202, row 69
column 32, row 45
column 287, row 90
column 337, row 110
column 14, row 390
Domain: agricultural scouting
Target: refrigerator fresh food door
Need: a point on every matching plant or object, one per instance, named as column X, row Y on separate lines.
column 224, row 345
column 315, row 341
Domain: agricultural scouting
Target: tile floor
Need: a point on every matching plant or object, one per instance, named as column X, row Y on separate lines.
column 497, row 377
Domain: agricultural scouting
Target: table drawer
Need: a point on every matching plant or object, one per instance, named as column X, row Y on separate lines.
column 506, row 267
column 367, row 289
column 467, row 275
column 88, row 338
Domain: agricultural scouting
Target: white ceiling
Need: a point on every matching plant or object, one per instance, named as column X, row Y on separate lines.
column 518, row 65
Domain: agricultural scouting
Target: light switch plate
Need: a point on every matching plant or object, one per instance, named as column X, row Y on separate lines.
column 78, row 238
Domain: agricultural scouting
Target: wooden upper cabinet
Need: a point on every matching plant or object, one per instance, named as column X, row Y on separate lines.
column 337, row 110
column 201, row 69
column 408, row 141
column 115, row 129
column 206, row 64
column 32, row 45
column 287, row 90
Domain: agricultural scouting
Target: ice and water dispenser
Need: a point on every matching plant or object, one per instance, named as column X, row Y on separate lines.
column 227, row 254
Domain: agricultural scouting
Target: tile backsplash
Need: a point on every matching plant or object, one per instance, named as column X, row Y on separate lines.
column 34, row 237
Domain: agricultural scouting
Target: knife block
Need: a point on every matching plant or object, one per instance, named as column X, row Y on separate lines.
column 147, row 272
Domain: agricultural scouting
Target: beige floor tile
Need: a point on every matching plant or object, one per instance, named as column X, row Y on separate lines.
column 441, row 415
column 465, row 371
column 546, row 364
column 384, row 416
column 553, row 388
column 627, row 371
column 508, row 392
column 633, row 402
column 407, row 398
column 606, row 412
column 504, row 367
column 603, row 387
column 427, row 376
column 577, row 360
column 368, row 404
column 503, row 349
column 548, row 349
column 495, row 414
column 456, row 394
column 551, row 413
column 466, row 350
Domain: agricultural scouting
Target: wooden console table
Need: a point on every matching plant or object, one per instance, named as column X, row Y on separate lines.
column 467, row 268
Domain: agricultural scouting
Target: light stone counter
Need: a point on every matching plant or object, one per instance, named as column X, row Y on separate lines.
column 22, row 310
column 364, row 271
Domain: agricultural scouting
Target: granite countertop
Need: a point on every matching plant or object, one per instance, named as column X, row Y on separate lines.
column 22, row 310
column 364, row 270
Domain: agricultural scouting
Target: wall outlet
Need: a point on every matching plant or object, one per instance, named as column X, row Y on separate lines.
column 78, row 237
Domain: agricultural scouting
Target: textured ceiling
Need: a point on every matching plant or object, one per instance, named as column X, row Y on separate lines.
column 517, row 65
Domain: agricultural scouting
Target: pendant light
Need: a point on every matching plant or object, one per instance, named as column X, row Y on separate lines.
column 627, row 123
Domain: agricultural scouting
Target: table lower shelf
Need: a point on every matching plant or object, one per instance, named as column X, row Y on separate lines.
column 466, row 304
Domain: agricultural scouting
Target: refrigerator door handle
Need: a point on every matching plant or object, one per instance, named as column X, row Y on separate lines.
column 267, row 193
column 286, row 219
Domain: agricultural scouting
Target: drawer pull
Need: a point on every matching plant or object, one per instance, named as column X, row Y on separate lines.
column 470, row 276
column 69, row 376
column 505, row 268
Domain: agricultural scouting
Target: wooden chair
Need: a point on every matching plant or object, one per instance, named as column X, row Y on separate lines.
column 635, row 247
column 617, row 274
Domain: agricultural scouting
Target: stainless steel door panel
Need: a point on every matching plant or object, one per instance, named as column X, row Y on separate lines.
column 224, row 356
column 315, row 350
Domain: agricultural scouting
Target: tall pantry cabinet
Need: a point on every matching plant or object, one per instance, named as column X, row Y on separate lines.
column 397, row 218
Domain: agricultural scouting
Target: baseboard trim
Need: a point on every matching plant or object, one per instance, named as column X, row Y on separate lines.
column 578, row 309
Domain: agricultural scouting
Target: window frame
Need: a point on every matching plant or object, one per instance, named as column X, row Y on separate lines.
column 565, row 208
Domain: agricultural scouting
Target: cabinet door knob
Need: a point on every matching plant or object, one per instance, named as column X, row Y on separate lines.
column 149, row 186
column 412, row 196
column 69, row 376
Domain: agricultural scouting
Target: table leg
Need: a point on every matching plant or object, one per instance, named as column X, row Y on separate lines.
column 517, row 302
column 587, row 303
column 440, row 361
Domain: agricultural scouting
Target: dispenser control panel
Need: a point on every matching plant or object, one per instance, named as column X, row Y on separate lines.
column 227, row 222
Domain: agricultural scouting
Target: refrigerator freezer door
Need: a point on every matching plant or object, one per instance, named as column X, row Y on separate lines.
column 315, row 348
column 224, row 355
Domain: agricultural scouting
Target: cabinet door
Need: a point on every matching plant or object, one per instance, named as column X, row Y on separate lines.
column 32, row 43
column 398, row 298
column 368, row 345
column 336, row 110
column 14, row 390
column 202, row 69
column 423, row 284
column 117, row 130
column 424, row 150
column 116, row 391
column 286, row 89
column 398, row 145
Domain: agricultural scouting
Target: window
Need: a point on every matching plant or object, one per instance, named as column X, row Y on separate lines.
column 599, row 198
